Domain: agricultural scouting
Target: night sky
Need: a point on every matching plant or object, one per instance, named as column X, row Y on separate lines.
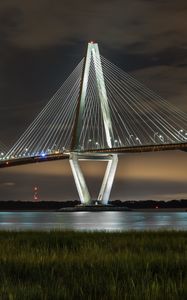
column 40, row 44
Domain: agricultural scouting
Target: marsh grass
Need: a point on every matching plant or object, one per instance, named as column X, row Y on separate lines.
column 93, row 265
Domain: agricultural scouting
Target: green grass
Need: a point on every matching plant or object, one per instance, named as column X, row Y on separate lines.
column 98, row 265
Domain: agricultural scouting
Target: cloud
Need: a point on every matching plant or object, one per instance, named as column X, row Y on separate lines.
column 140, row 25
column 7, row 184
column 169, row 81
column 139, row 176
column 168, row 196
column 165, row 166
column 149, row 190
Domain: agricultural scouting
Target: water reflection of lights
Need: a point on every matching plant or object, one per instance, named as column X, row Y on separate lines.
column 110, row 221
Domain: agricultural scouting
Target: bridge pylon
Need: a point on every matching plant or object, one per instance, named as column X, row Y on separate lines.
column 108, row 178
column 104, row 194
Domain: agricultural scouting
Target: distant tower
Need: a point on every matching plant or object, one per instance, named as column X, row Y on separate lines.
column 35, row 195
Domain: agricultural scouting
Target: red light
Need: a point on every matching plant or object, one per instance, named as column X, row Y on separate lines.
column 35, row 194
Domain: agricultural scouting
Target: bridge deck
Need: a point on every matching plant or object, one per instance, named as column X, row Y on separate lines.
column 141, row 148
column 59, row 156
column 31, row 160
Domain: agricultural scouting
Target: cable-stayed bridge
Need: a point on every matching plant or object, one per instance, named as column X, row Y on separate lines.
column 99, row 112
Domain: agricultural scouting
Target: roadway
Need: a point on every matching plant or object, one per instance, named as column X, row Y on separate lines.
column 91, row 152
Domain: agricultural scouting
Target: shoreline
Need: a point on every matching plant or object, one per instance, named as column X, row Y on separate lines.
column 66, row 209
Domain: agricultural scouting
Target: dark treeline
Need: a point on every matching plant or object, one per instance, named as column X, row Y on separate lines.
column 55, row 205
column 151, row 204
column 40, row 205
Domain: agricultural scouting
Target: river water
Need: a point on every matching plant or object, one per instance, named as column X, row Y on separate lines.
column 110, row 221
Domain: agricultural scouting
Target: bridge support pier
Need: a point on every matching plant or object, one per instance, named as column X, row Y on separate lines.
column 108, row 179
column 80, row 182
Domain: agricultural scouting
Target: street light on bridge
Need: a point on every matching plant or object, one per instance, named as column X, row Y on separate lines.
column 182, row 135
column 161, row 137
column 116, row 143
column 89, row 143
column 137, row 139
